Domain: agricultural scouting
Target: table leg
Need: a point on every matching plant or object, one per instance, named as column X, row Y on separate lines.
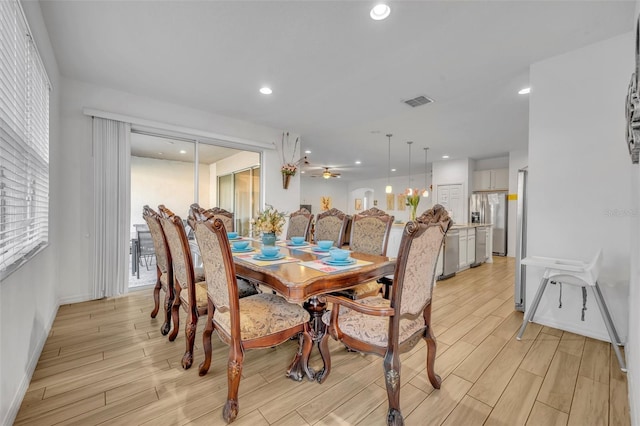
column 313, row 335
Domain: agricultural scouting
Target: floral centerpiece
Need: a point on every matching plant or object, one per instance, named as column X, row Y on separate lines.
column 412, row 200
column 269, row 223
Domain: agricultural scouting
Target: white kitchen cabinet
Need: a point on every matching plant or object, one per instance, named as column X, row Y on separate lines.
column 462, row 250
column 490, row 180
column 395, row 236
column 471, row 246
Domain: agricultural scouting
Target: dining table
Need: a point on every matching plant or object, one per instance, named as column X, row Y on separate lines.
column 303, row 273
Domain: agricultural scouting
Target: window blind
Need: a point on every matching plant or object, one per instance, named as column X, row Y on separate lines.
column 24, row 142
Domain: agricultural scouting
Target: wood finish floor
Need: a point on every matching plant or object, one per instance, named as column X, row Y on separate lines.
column 106, row 362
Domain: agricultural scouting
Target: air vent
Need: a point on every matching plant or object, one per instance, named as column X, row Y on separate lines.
column 417, row 101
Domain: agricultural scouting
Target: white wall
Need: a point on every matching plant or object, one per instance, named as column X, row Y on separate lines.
column 240, row 161
column 29, row 297
column 492, row 163
column 314, row 188
column 517, row 161
column 632, row 348
column 155, row 182
column 579, row 177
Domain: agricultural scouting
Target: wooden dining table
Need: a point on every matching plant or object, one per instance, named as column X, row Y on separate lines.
column 302, row 277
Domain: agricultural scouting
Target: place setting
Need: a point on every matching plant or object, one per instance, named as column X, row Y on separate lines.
column 241, row 246
column 321, row 248
column 336, row 260
column 268, row 255
column 295, row 242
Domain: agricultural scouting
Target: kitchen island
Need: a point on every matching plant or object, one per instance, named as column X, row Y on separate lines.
column 469, row 251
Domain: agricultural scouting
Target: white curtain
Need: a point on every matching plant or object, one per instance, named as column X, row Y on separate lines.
column 111, row 186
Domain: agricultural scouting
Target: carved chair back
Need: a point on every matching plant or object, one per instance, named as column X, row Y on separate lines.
column 370, row 232
column 330, row 225
column 416, row 264
column 163, row 257
column 179, row 248
column 299, row 224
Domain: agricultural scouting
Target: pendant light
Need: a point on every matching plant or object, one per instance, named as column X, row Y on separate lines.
column 425, row 193
column 388, row 189
column 409, row 189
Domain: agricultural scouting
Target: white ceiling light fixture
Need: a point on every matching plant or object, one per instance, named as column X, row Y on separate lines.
column 358, row 162
column 525, row 91
column 307, row 152
column 379, row 12
column 266, row 90
column 445, row 156
column 425, row 192
column 182, row 151
column 388, row 189
column 326, row 174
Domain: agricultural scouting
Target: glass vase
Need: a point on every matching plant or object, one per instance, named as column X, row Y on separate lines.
column 412, row 212
column 269, row 238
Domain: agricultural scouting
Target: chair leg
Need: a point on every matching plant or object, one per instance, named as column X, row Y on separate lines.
column 206, row 339
column 608, row 322
column 430, row 339
column 190, row 337
column 156, row 297
column 234, row 372
column 175, row 315
column 168, row 302
column 392, row 380
column 534, row 306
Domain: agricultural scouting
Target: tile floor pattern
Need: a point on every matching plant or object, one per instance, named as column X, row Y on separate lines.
column 105, row 362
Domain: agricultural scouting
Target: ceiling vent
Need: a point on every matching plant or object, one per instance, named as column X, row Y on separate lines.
column 417, row 101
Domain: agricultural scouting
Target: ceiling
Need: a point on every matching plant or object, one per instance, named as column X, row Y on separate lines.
column 339, row 78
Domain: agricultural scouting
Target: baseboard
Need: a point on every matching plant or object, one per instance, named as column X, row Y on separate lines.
column 75, row 299
column 31, row 367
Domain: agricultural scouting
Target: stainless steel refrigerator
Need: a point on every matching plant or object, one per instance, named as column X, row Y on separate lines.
column 491, row 207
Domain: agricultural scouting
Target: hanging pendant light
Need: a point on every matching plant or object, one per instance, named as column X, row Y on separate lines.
column 425, row 192
column 388, row 189
column 409, row 189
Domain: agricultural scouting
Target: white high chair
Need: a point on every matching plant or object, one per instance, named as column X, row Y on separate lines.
column 578, row 273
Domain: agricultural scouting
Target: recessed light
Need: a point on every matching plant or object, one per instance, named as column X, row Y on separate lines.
column 338, row 176
column 307, row 152
column 380, row 12
column 525, row 91
column 160, row 153
column 393, row 170
column 301, row 172
column 358, row 162
column 445, row 156
column 266, row 91
column 182, row 151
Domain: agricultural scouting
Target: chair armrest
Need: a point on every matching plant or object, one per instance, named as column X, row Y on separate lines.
column 359, row 307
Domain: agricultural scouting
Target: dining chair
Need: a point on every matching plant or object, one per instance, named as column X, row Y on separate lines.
column 194, row 301
column 225, row 216
column 263, row 320
column 330, row 225
column 245, row 288
column 370, row 231
column 389, row 327
column 299, row 224
column 164, row 268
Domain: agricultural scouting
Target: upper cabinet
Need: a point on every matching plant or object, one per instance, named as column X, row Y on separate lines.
column 491, row 180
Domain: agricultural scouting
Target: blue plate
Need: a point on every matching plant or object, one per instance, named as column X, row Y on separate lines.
column 321, row 250
column 244, row 250
column 291, row 244
column 261, row 257
column 349, row 261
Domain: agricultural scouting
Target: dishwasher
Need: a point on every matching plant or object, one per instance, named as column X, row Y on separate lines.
column 450, row 253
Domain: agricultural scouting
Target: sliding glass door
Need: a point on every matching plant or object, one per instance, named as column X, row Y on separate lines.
column 239, row 192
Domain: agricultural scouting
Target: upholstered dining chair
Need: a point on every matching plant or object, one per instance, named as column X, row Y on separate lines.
column 164, row 268
column 189, row 294
column 299, row 224
column 244, row 287
column 225, row 216
column 259, row 321
column 389, row 327
column 330, row 225
column 369, row 234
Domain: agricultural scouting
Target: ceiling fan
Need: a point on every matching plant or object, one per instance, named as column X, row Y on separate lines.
column 327, row 174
